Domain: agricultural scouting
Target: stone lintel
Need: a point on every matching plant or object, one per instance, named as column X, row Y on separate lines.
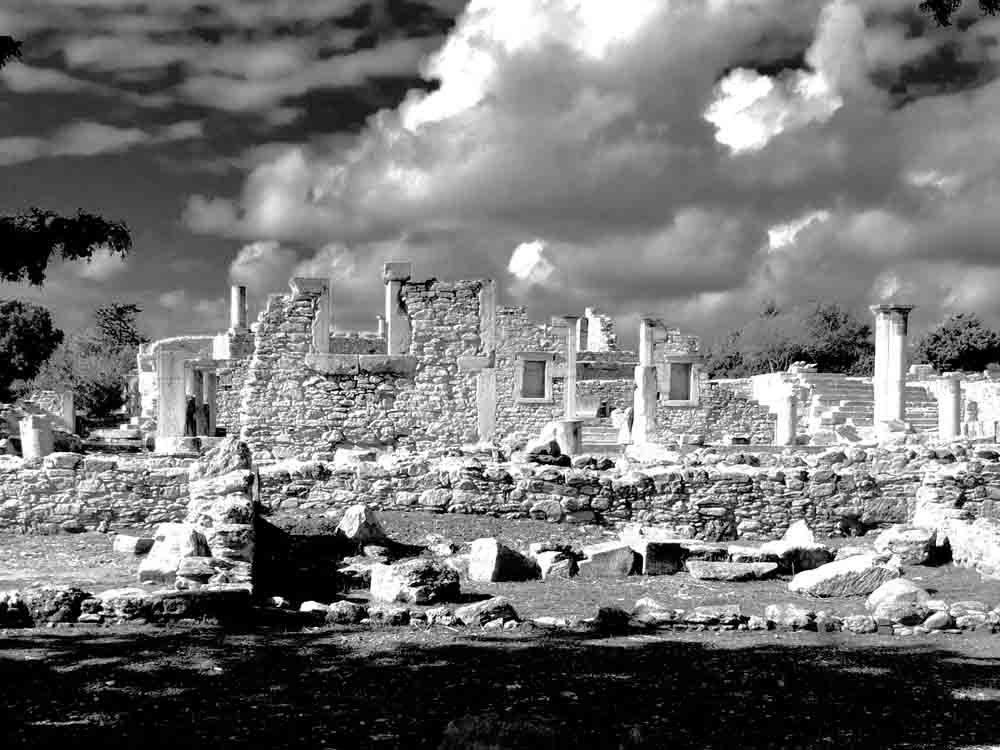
column 570, row 318
column 889, row 308
column 397, row 270
column 475, row 364
column 403, row 365
column 309, row 285
column 334, row 364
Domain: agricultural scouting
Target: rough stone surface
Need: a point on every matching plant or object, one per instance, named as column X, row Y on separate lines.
column 361, row 525
column 913, row 545
column 480, row 613
column 726, row 571
column 421, row 581
column 790, row 616
column 607, row 560
column 858, row 575
column 491, row 561
column 899, row 600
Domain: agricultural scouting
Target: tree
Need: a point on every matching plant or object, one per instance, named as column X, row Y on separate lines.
column 95, row 362
column 27, row 340
column 824, row 334
column 117, row 326
column 961, row 342
column 29, row 241
column 943, row 10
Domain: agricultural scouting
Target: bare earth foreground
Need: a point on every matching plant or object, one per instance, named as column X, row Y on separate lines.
column 278, row 686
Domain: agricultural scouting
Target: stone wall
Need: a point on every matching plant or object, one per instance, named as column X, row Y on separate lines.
column 516, row 334
column 227, row 395
column 82, row 491
column 708, row 495
column 723, row 409
column 617, row 393
column 299, row 402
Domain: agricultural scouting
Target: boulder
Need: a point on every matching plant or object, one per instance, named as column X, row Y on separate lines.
column 125, row 544
column 860, row 624
column 171, row 543
column 388, row 614
column 607, row 560
column 790, row 616
column 798, row 550
column 899, row 600
column 360, row 524
column 715, row 614
column 313, row 608
column 480, row 613
column 938, row 621
column 54, row 604
column 741, row 554
column 853, row 576
column 727, row 571
column 490, row 561
column 13, row 610
column 420, row 581
column 555, row 564
column 651, row 613
column 914, row 545
column 345, row 613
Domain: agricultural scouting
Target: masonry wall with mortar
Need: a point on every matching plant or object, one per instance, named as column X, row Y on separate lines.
column 290, row 407
column 722, row 410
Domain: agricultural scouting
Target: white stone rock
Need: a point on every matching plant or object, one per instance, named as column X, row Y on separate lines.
column 900, row 600
column 361, row 524
column 489, row 561
column 853, row 576
column 913, row 545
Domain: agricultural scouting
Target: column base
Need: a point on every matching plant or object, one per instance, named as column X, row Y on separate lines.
column 569, row 436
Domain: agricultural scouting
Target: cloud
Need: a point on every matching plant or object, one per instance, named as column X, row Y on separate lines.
column 657, row 149
column 103, row 266
column 262, row 266
column 86, row 138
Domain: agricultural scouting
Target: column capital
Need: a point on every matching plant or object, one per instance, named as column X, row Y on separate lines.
column 890, row 308
column 396, row 270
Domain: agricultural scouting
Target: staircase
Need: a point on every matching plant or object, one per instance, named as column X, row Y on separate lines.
column 600, row 437
column 840, row 400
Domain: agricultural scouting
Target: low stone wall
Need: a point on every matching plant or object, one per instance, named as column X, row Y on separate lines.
column 71, row 491
column 723, row 409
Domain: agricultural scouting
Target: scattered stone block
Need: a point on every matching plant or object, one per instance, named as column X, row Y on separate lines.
column 651, row 613
column 913, row 545
column 607, row 560
column 938, row 621
column 728, row 571
column 171, row 543
column 131, row 545
column 556, row 565
column 715, row 614
column 311, row 608
column 853, row 576
column 899, row 600
column 479, row 613
column 421, row 581
column 741, row 554
column 388, row 614
column 860, row 624
column 491, row 561
column 790, row 616
column 360, row 525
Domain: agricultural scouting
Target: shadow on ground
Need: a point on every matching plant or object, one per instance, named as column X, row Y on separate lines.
column 341, row 689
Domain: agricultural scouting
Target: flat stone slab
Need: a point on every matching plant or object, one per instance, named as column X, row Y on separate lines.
column 728, row 571
column 607, row 560
column 858, row 575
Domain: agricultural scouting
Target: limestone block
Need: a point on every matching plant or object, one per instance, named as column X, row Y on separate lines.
column 790, row 616
column 900, row 600
column 231, row 541
column 555, row 564
column 400, row 365
column 853, row 576
column 728, row 571
column 421, row 581
column 334, row 364
column 131, row 545
column 609, row 559
column 360, row 524
column 913, row 545
column 480, row 613
column 490, row 561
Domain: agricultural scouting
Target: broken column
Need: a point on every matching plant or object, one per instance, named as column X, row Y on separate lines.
column 889, row 383
column 36, row 437
column 644, row 400
column 949, row 398
column 238, row 308
column 394, row 274
column 569, row 429
column 788, row 417
column 600, row 330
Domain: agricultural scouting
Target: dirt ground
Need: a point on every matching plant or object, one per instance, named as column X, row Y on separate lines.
column 197, row 685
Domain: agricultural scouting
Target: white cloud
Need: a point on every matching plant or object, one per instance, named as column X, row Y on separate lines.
column 528, row 262
column 783, row 235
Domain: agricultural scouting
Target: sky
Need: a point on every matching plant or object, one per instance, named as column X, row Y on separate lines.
column 691, row 158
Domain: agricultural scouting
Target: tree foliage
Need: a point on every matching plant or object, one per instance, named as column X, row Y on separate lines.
column 29, row 241
column 961, row 342
column 27, row 340
column 95, row 362
column 824, row 334
column 943, row 10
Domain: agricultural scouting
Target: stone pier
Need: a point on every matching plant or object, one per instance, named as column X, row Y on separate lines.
column 569, row 429
column 37, row 440
column 889, row 382
column 644, row 400
column 788, row 417
column 949, row 398
column 238, row 309
column 397, row 323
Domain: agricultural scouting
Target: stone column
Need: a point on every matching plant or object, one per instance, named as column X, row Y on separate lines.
column 891, row 362
column 67, row 406
column 788, row 418
column 238, row 308
column 569, row 429
column 394, row 274
column 486, row 404
column 381, row 326
column 210, row 386
column 644, row 400
column 583, row 334
column 949, row 398
column 881, row 364
column 172, row 400
column 36, row 437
